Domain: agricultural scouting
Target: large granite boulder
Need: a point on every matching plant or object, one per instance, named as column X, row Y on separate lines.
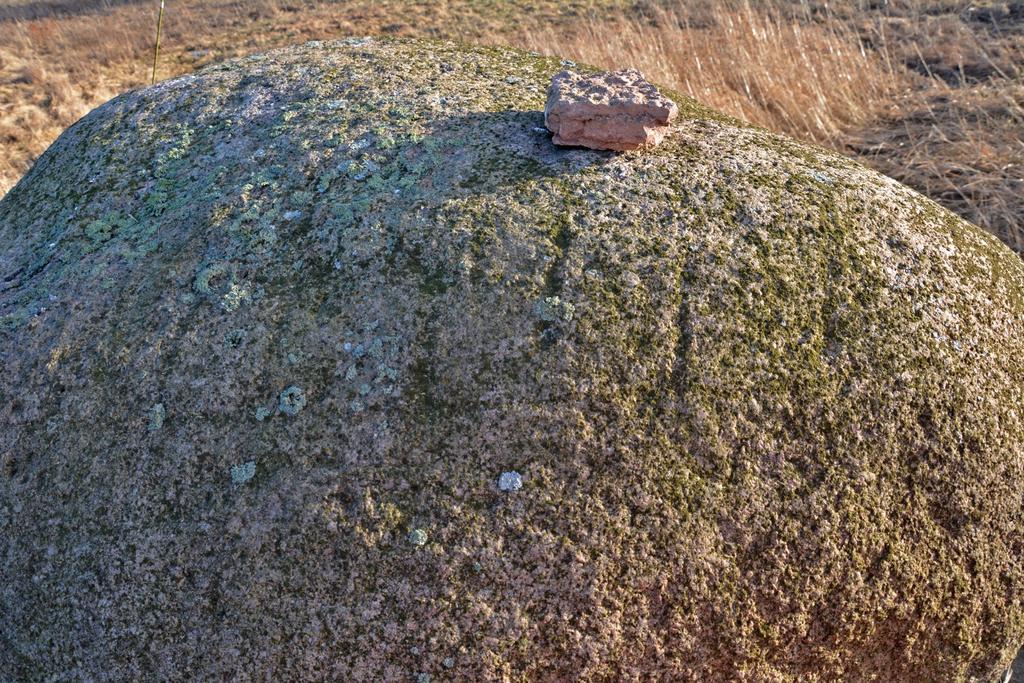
column 273, row 332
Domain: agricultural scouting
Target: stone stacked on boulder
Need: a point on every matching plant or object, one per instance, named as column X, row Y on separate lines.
column 441, row 401
column 615, row 110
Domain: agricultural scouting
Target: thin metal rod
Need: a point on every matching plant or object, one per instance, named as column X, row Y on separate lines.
column 156, row 48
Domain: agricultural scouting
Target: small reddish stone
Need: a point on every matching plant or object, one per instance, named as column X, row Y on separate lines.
column 617, row 110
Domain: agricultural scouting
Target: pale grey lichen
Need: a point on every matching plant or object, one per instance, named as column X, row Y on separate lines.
column 234, row 297
column 156, row 417
column 208, row 275
column 292, row 400
column 179, row 150
column 418, row 537
column 510, row 481
column 234, row 338
column 362, row 41
column 376, row 347
column 99, row 231
column 262, row 413
column 140, row 239
column 243, row 472
column 553, row 309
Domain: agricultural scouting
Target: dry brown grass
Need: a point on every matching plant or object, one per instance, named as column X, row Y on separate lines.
column 963, row 147
column 928, row 91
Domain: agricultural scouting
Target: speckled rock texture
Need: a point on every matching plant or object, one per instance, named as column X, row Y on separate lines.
column 272, row 333
column 612, row 110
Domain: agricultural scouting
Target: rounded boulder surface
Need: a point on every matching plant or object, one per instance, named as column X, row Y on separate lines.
column 271, row 332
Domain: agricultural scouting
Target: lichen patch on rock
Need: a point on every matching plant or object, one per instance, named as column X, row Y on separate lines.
column 292, row 400
column 510, row 481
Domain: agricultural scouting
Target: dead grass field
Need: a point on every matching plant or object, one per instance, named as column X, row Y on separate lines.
column 930, row 92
